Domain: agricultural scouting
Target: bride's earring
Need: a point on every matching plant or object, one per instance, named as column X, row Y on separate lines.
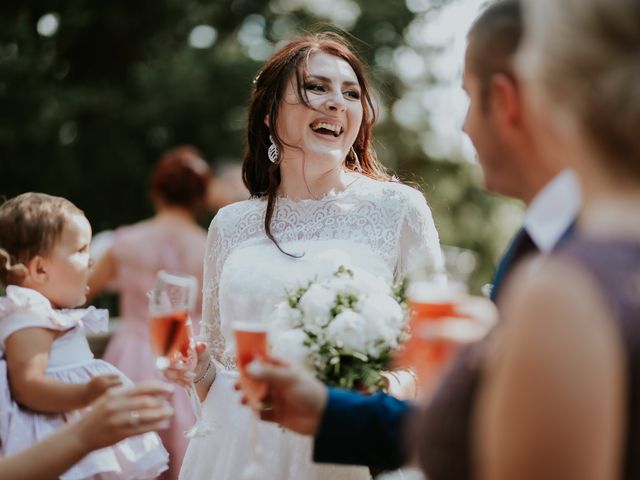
column 356, row 160
column 273, row 152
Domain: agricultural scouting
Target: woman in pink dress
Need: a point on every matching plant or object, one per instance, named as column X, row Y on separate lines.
column 170, row 240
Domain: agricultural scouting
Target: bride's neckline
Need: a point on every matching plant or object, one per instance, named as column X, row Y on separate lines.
column 330, row 195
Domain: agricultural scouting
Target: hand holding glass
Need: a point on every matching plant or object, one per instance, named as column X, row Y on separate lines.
column 170, row 304
column 442, row 318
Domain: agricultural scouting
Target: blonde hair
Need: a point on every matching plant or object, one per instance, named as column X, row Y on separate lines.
column 30, row 225
column 586, row 62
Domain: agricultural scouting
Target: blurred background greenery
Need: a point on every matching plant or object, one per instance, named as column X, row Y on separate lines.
column 92, row 92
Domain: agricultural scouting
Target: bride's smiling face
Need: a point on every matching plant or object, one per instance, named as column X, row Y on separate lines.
column 325, row 132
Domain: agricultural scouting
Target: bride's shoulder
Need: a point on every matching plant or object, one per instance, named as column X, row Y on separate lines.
column 400, row 194
column 231, row 216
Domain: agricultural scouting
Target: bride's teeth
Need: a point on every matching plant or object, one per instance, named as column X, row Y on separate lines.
column 336, row 129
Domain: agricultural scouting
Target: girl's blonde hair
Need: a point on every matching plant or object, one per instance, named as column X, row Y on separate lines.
column 30, row 225
column 586, row 62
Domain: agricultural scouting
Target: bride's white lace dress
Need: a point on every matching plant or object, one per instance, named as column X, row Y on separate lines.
column 382, row 227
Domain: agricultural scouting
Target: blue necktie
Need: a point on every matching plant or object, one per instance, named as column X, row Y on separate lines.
column 520, row 246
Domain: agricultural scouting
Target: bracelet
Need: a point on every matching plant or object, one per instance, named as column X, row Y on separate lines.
column 205, row 373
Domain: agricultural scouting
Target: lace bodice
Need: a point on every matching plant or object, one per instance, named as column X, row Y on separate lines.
column 383, row 227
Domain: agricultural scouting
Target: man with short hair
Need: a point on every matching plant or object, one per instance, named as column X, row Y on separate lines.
column 497, row 124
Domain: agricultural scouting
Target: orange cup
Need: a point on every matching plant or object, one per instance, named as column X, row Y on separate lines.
column 251, row 344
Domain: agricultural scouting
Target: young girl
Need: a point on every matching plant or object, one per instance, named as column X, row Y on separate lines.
column 47, row 371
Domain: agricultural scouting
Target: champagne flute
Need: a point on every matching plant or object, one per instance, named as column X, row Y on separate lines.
column 170, row 304
column 440, row 318
column 432, row 302
column 251, row 344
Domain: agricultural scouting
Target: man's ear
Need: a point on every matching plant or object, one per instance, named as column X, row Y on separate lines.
column 506, row 102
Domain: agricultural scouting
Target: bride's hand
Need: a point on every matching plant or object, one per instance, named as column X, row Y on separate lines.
column 184, row 369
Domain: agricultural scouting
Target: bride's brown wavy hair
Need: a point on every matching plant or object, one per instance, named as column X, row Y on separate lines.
column 262, row 177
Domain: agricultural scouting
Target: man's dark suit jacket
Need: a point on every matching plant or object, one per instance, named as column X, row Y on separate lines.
column 363, row 430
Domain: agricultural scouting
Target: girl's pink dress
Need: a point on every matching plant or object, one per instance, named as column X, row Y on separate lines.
column 70, row 361
column 141, row 250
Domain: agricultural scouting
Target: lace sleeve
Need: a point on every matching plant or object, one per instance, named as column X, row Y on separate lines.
column 231, row 226
column 210, row 322
column 419, row 242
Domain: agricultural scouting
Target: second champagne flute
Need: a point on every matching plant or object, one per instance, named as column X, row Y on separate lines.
column 251, row 344
column 433, row 299
column 443, row 317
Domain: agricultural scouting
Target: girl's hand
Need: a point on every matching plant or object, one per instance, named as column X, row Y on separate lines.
column 123, row 412
column 99, row 385
column 183, row 370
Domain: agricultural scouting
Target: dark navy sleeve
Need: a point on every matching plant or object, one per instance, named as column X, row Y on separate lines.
column 363, row 430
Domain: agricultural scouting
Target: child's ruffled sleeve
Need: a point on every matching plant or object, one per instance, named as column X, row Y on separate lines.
column 25, row 308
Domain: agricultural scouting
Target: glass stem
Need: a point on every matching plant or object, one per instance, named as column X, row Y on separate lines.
column 253, row 438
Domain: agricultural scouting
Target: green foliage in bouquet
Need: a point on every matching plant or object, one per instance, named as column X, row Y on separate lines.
column 352, row 340
column 354, row 370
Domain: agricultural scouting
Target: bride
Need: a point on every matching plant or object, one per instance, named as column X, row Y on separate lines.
column 319, row 199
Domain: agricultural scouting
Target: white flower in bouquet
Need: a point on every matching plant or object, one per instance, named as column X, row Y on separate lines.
column 346, row 327
column 368, row 284
column 316, row 304
column 384, row 308
column 347, row 331
column 285, row 317
column 290, row 345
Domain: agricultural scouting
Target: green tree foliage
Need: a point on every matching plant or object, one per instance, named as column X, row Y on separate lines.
column 87, row 107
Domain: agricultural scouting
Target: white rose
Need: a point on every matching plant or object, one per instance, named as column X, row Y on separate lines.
column 383, row 308
column 385, row 320
column 284, row 317
column 348, row 329
column 370, row 284
column 290, row 346
column 316, row 305
column 344, row 285
column 380, row 337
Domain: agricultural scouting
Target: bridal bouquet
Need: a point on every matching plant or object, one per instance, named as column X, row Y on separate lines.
column 345, row 328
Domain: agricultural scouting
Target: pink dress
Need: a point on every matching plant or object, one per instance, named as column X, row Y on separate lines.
column 141, row 250
column 70, row 361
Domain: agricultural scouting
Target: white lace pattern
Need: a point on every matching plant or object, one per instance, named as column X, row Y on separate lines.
column 389, row 219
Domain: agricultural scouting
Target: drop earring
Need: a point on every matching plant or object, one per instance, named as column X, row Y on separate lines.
column 356, row 160
column 273, row 152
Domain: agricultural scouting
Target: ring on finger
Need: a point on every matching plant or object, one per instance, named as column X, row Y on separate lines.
column 134, row 418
